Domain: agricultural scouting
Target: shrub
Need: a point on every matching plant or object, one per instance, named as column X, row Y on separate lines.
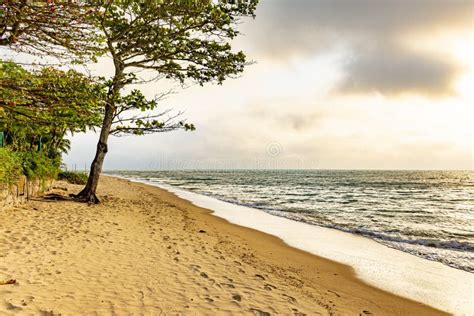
column 10, row 167
column 37, row 165
column 74, row 177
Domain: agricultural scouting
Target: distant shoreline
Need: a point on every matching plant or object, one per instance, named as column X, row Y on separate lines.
column 112, row 171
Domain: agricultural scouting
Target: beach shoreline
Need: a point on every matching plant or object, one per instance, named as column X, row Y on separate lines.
column 145, row 250
column 426, row 281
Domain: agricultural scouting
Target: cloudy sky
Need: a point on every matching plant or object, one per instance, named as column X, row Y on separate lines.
column 340, row 84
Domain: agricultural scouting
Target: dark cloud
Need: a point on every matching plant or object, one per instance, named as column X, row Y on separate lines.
column 392, row 71
column 309, row 27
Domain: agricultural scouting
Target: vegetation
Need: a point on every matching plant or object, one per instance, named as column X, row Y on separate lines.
column 74, row 177
column 37, row 165
column 39, row 108
column 185, row 41
column 51, row 28
column 10, row 167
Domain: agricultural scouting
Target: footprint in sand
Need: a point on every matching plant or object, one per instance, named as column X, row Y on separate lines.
column 237, row 297
column 259, row 312
column 269, row 287
column 195, row 267
column 27, row 300
column 289, row 298
column 259, row 277
column 9, row 306
column 297, row 313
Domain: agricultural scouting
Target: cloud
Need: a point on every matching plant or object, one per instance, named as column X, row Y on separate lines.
column 370, row 31
column 392, row 70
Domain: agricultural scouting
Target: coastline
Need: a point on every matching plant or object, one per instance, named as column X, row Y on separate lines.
column 145, row 250
column 392, row 270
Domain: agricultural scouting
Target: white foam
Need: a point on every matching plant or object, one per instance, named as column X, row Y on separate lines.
column 422, row 280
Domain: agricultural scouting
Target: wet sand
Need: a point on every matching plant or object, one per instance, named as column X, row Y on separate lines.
column 145, row 251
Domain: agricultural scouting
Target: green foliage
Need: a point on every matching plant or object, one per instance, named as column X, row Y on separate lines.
column 10, row 167
column 34, row 165
column 142, row 124
column 37, row 165
column 38, row 108
column 178, row 39
column 187, row 41
column 73, row 177
column 66, row 99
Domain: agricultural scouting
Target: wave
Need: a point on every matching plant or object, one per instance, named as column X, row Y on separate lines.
column 419, row 223
column 427, row 242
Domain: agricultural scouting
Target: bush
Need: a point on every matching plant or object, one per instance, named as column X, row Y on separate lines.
column 74, row 177
column 10, row 167
column 37, row 165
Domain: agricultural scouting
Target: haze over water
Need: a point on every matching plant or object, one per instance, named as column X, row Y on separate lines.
column 426, row 213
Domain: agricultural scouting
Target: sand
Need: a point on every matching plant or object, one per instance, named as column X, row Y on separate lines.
column 144, row 251
column 395, row 271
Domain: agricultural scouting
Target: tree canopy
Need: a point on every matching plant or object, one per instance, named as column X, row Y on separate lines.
column 51, row 28
column 49, row 96
column 40, row 107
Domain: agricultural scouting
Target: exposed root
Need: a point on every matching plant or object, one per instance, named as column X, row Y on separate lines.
column 86, row 197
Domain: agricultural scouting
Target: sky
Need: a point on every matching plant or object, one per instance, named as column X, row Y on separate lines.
column 335, row 84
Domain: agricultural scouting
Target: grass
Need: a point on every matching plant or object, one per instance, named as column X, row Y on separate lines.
column 74, row 177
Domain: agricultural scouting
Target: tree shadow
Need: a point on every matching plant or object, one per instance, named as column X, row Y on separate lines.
column 52, row 197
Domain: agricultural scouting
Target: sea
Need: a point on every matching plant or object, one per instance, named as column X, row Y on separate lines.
column 429, row 214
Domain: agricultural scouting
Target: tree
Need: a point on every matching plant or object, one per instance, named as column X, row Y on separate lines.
column 187, row 41
column 52, row 28
column 40, row 107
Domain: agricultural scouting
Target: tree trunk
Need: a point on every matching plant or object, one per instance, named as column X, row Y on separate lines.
column 88, row 194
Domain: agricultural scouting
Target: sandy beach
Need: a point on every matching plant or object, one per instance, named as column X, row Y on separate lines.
column 144, row 251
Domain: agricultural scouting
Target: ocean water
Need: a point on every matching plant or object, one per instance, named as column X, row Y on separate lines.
column 429, row 214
